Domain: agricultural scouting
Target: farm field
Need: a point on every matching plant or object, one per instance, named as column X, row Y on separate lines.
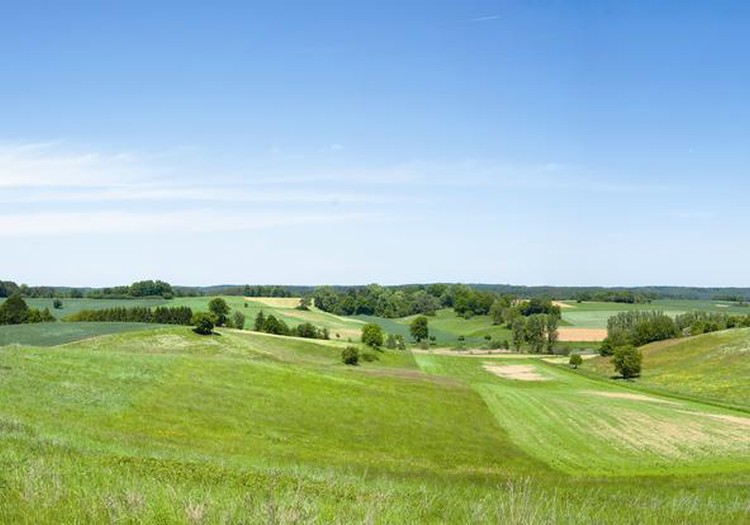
column 595, row 315
column 582, row 324
column 165, row 425
column 51, row 334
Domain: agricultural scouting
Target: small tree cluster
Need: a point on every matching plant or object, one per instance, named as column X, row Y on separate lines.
column 350, row 355
column 181, row 315
column 538, row 331
column 15, row 311
column 203, row 322
column 270, row 324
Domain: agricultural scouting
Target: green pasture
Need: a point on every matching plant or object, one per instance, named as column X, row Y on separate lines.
column 713, row 366
column 583, row 426
column 165, row 426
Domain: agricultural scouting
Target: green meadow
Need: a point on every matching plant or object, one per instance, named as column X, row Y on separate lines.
column 166, row 426
column 713, row 367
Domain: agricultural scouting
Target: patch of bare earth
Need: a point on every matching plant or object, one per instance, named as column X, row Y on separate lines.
column 581, row 334
column 276, row 302
column 562, row 304
column 518, row 372
column 627, row 395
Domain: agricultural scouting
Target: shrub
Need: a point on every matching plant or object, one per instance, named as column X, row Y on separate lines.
column 627, row 361
column 372, row 335
column 238, row 320
column 57, row 304
column 350, row 355
column 390, row 342
column 369, row 357
column 220, row 309
column 204, row 323
column 575, row 360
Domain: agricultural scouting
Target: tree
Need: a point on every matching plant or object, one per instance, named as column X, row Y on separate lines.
column 238, row 320
column 575, row 360
column 304, row 303
column 260, row 321
column 390, row 342
column 275, row 326
column 535, row 332
column 627, row 361
column 204, row 323
column 57, row 304
column 550, row 328
column 350, row 355
column 220, row 309
column 372, row 335
column 419, row 328
column 14, row 310
column 518, row 326
column 400, row 343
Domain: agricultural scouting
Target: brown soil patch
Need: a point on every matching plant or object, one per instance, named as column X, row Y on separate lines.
column 276, row 302
column 627, row 395
column 581, row 334
column 518, row 372
column 562, row 304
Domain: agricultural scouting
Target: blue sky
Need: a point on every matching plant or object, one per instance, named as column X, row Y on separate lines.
column 534, row 142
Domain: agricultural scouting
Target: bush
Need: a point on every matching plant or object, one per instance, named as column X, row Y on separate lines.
column 238, row 320
column 575, row 360
column 627, row 361
column 220, row 309
column 372, row 335
column 204, row 323
column 350, row 355
column 57, row 304
column 369, row 357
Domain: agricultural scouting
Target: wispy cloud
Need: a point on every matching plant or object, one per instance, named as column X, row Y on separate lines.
column 49, row 164
column 485, row 18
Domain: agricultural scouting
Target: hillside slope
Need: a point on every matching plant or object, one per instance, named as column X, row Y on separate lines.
column 713, row 366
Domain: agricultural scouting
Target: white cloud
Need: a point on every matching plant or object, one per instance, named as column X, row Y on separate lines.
column 48, row 164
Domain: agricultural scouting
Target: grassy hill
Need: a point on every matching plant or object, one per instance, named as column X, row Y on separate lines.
column 713, row 366
column 168, row 426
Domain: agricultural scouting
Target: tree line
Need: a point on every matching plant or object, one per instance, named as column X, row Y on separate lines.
column 270, row 324
column 15, row 311
column 637, row 328
column 181, row 315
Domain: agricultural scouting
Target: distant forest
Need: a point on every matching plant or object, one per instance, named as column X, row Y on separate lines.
column 149, row 288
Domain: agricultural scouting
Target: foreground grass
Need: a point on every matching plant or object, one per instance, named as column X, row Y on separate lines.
column 169, row 427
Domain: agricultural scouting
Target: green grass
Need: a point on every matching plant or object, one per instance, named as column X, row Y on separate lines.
column 51, row 334
column 713, row 367
column 595, row 315
column 168, row 426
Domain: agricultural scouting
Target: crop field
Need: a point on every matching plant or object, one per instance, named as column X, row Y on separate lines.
column 164, row 425
column 595, row 315
column 51, row 334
